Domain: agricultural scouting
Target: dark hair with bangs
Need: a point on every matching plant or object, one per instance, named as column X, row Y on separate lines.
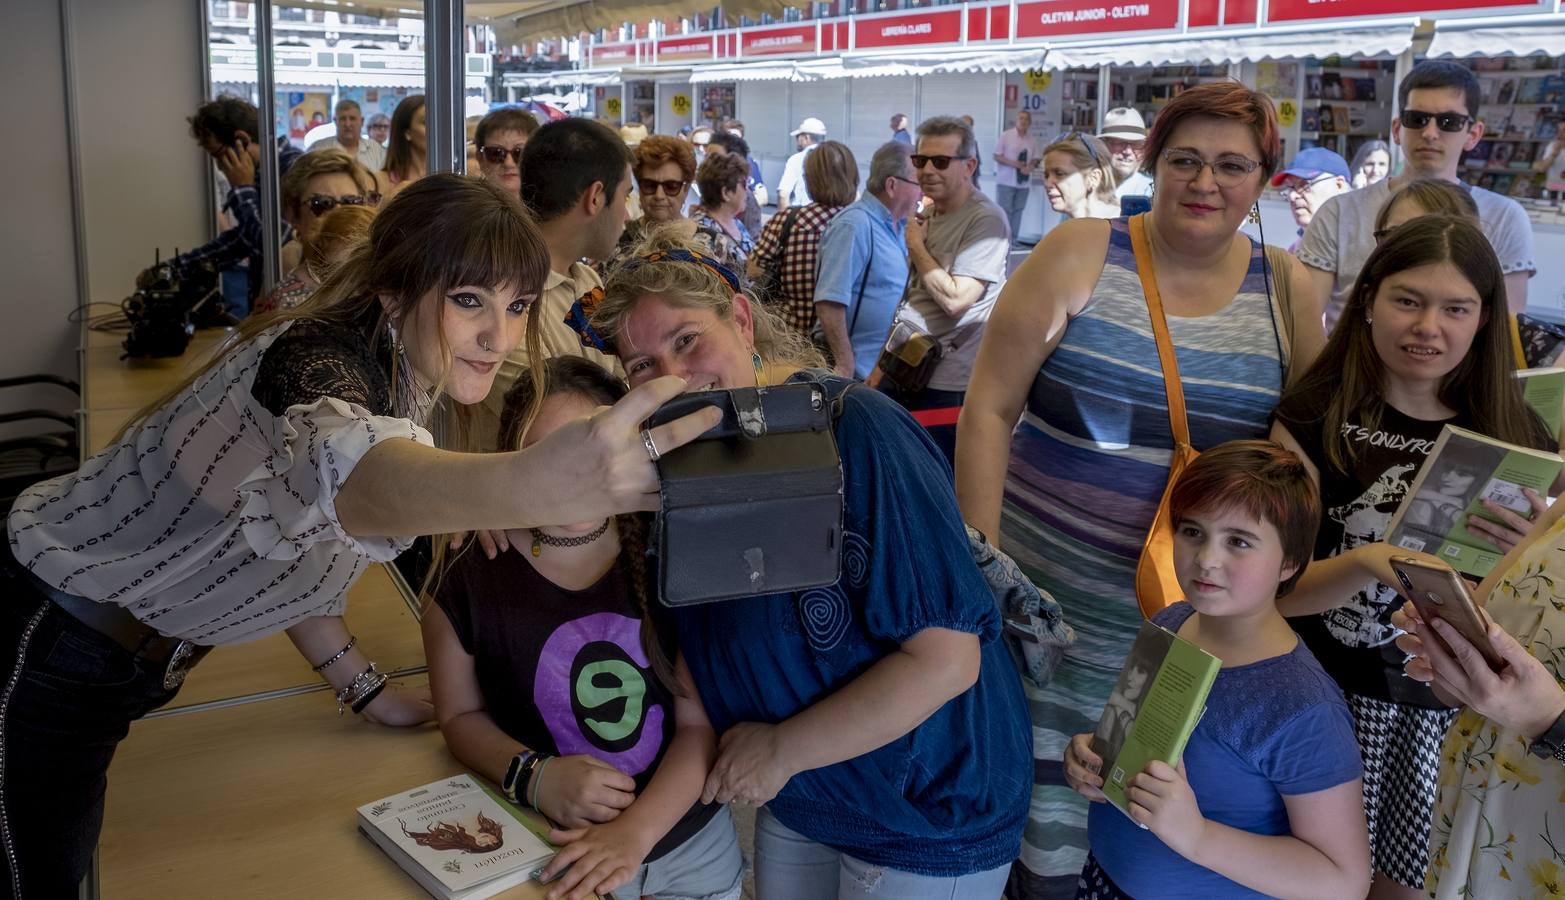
column 1218, row 100
column 440, row 232
column 1263, row 480
column 1482, row 387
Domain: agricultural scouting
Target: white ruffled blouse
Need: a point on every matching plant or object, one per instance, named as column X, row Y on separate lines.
column 214, row 521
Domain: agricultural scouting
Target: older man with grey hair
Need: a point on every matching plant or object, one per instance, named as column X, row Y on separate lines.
column 863, row 263
column 958, row 253
column 349, row 121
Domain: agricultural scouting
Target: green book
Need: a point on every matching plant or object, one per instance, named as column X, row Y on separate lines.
column 1544, row 391
column 1155, row 706
column 1463, row 470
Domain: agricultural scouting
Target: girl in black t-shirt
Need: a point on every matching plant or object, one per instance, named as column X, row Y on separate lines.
column 1423, row 342
column 551, row 678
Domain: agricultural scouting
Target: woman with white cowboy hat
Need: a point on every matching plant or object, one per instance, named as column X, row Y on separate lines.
column 1125, row 134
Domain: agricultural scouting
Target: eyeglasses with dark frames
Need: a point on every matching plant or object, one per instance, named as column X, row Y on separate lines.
column 905, row 180
column 941, row 162
column 1449, row 122
column 496, row 155
column 671, row 188
column 321, row 204
column 1229, row 170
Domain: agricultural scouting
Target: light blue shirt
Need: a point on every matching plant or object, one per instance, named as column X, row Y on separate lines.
column 863, row 245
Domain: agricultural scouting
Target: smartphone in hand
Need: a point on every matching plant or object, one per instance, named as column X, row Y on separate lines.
column 1438, row 592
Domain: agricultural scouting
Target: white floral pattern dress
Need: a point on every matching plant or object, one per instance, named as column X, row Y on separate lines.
column 1499, row 819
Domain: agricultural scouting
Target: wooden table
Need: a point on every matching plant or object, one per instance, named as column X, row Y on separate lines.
column 114, row 389
column 259, row 800
column 378, row 613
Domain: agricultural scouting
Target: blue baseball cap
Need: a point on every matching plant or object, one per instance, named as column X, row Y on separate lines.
column 1313, row 163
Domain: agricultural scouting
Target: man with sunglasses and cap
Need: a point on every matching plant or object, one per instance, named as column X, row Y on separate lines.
column 1315, row 176
column 226, row 128
column 791, row 191
column 1125, row 134
column 957, row 255
column 1438, row 124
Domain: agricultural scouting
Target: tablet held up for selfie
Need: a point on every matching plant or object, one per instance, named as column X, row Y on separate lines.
column 753, row 506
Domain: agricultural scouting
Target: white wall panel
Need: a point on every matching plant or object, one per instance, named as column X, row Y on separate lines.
column 873, row 102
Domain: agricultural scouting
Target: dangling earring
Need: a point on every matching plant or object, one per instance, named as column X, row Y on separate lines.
column 1255, row 214
column 760, row 369
column 1369, row 319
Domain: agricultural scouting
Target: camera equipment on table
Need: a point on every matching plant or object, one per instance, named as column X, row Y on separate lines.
column 168, row 305
column 753, row 506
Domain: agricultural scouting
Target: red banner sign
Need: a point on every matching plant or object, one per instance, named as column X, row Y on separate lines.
column 778, row 41
column 685, row 48
column 613, row 54
column 1303, row 10
column 1055, row 17
column 943, row 27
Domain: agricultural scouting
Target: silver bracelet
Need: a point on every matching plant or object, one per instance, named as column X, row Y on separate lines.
column 361, row 684
column 352, row 639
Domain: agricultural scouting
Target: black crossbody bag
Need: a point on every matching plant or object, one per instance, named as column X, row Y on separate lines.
column 754, row 506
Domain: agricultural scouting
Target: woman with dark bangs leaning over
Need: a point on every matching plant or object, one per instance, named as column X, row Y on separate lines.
column 1070, row 354
column 878, row 719
column 251, row 498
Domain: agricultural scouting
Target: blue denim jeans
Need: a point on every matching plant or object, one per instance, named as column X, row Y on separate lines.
column 707, row 866
column 67, row 698
column 790, row 866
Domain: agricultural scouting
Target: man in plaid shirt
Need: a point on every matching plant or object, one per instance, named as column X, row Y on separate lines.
column 225, row 128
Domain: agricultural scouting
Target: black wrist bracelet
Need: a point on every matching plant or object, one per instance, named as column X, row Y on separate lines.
column 368, row 698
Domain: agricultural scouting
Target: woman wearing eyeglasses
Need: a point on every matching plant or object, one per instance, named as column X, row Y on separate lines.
column 1078, row 179
column 1069, row 353
column 500, row 138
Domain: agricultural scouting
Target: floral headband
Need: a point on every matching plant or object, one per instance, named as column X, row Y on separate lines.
column 580, row 316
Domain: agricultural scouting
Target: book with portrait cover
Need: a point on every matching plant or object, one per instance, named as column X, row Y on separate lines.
column 1464, row 469
column 458, row 840
column 1155, row 706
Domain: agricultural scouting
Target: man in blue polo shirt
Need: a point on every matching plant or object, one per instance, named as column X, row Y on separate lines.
column 863, row 263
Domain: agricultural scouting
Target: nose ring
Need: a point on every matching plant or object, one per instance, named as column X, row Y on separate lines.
column 485, row 344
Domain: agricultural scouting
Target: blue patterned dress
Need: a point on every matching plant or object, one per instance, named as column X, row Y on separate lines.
column 1089, row 463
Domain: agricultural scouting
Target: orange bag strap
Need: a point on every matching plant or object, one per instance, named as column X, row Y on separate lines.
column 1177, row 419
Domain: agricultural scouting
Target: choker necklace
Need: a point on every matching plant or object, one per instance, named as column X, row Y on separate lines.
column 580, row 540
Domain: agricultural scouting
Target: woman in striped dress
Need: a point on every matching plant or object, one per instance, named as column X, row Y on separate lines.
column 1070, row 354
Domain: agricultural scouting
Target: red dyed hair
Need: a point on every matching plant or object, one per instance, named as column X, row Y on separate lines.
column 1219, row 100
column 1263, row 480
column 657, row 149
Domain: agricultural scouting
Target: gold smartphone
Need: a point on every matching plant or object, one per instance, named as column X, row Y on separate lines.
column 1438, row 592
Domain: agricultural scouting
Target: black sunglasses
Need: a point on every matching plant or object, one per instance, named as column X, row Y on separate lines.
column 496, row 155
column 1449, row 122
column 321, row 204
column 941, row 162
column 650, row 186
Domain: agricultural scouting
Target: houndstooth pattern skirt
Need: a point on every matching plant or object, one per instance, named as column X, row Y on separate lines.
column 1401, row 748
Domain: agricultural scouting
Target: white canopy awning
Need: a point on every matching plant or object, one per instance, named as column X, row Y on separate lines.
column 995, row 60
column 783, row 70
column 583, row 77
column 1379, row 40
column 1512, row 36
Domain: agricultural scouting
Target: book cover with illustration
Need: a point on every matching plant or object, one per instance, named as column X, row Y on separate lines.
column 1342, row 122
column 1544, row 391
column 1464, row 469
column 1530, row 90
column 1501, row 154
column 455, row 837
column 1155, row 706
column 1311, row 119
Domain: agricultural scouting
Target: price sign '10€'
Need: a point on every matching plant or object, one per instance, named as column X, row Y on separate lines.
column 680, row 104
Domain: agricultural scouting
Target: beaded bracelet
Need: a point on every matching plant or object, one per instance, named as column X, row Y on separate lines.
column 354, row 639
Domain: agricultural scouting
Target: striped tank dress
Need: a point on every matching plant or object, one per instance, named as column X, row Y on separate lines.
column 1089, row 462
